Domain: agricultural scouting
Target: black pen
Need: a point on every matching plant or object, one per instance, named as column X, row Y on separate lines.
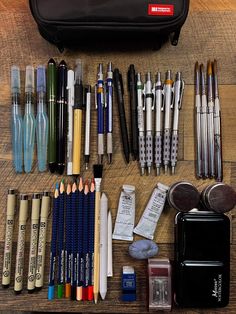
column 118, row 85
column 62, row 113
column 133, row 112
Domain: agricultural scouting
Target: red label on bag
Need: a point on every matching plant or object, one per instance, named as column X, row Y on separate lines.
column 161, row 9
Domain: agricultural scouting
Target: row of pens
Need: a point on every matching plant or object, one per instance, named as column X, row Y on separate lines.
column 81, row 240
column 58, row 126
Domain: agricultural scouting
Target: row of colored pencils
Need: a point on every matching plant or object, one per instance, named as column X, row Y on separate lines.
column 72, row 243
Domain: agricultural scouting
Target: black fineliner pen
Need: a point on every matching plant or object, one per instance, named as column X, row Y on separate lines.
column 118, row 85
column 133, row 112
column 61, row 114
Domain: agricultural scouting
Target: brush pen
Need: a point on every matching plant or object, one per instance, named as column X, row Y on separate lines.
column 53, row 252
column 62, row 116
column 158, row 123
column 133, row 112
column 78, row 106
column 60, row 237
column 80, row 261
column 97, row 171
column 29, row 119
column 41, row 119
column 141, row 123
column 51, row 100
column 118, row 85
column 204, row 127
column 149, row 100
column 70, row 96
column 35, row 212
column 20, row 251
column 91, row 226
column 74, row 205
column 85, row 242
column 87, row 126
column 68, row 242
column 103, row 246
column 168, row 93
column 45, row 207
column 217, row 128
column 16, row 120
column 210, row 121
column 100, row 105
column 198, row 120
column 178, row 97
column 7, row 257
column 109, row 109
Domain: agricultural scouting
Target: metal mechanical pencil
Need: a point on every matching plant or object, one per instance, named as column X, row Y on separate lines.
column 168, row 97
column 100, row 105
column 178, row 97
column 29, row 119
column 141, row 124
column 158, row 123
column 109, row 109
column 149, row 99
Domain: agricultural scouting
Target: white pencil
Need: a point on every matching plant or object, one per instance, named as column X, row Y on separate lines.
column 109, row 245
column 103, row 246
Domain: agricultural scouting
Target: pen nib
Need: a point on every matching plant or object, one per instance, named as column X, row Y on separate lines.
column 158, row 171
column 166, row 169
column 173, row 170
column 109, row 157
column 86, row 166
column 142, row 171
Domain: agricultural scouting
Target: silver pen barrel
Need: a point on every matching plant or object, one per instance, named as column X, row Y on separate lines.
column 211, row 121
column 167, row 123
column 158, row 124
column 204, row 134
column 178, row 96
column 149, row 108
column 141, row 126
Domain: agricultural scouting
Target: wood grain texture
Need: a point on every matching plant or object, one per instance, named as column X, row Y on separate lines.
column 208, row 33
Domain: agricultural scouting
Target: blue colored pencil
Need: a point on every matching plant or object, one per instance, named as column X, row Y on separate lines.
column 74, row 205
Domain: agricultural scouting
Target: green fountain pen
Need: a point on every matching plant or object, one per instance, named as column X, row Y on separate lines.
column 51, row 99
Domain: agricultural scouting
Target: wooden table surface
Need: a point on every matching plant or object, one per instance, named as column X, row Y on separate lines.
column 208, row 33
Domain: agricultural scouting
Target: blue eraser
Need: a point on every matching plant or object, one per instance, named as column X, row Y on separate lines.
column 128, row 284
column 143, row 249
column 50, row 292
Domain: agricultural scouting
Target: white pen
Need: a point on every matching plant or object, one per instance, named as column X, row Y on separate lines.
column 33, row 241
column 87, row 127
column 168, row 93
column 103, row 246
column 109, row 246
column 70, row 93
column 159, row 123
column 149, row 97
column 178, row 97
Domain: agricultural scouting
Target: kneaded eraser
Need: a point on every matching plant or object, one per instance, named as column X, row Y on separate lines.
column 143, row 249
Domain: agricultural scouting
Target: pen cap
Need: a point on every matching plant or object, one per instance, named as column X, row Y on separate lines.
column 29, row 79
column 51, row 80
column 35, row 206
column 23, row 212
column 15, row 79
column 11, row 202
column 79, row 71
column 45, row 205
column 41, row 79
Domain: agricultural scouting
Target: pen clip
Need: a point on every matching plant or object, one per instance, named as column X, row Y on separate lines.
column 172, row 97
column 105, row 90
column 121, row 84
column 154, row 97
column 182, row 86
column 95, row 96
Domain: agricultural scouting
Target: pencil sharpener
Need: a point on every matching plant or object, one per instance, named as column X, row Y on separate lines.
column 159, row 277
column 128, row 284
